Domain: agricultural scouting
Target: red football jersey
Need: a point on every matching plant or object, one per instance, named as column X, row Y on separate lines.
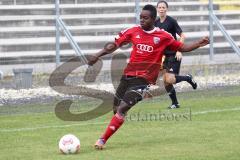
column 147, row 51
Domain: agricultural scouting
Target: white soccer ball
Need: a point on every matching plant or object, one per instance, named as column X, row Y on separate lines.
column 69, row 144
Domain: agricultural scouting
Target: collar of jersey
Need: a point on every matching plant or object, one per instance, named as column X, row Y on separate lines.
column 153, row 30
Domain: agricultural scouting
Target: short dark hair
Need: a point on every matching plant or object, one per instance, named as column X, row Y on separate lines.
column 152, row 10
column 161, row 1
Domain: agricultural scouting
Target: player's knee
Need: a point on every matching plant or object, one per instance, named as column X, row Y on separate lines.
column 170, row 79
column 116, row 101
column 123, row 108
column 132, row 97
column 169, row 88
column 115, row 108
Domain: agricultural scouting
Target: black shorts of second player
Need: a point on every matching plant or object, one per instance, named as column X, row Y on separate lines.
column 130, row 88
column 171, row 64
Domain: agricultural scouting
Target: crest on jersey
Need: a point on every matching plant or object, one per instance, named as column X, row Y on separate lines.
column 156, row 40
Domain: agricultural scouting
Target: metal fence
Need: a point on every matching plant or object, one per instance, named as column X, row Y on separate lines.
column 213, row 20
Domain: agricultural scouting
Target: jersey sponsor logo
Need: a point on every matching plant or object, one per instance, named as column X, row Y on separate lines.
column 144, row 48
column 156, row 40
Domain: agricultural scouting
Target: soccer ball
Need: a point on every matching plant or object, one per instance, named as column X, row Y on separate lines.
column 69, row 144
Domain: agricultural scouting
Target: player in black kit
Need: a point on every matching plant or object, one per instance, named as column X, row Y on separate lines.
column 172, row 61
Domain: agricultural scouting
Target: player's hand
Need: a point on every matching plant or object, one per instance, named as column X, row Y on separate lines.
column 203, row 42
column 178, row 56
column 92, row 60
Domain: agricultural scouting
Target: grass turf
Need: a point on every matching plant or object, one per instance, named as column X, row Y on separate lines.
column 205, row 127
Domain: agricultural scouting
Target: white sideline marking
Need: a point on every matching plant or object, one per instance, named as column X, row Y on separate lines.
column 216, row 111
column 46, row 127
column 100, row 123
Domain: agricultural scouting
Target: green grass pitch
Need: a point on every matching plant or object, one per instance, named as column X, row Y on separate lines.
column 206, row 127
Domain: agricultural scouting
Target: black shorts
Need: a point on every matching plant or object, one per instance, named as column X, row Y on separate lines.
column 129, row 83
column 171, row 64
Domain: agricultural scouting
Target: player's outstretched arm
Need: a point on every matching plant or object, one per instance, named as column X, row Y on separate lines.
column 189, row 47
column 109, row 48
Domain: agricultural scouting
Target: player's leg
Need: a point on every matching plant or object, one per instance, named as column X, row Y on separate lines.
column 172, row 76
column 188, row 78
column 121, row 89
column 171, row 91
column 172, row 68
column 134, row 94
column 179, row 78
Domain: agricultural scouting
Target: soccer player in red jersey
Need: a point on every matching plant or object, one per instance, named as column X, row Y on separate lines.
column 148, row 45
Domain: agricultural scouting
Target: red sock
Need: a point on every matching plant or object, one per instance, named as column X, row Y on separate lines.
column 113, row 126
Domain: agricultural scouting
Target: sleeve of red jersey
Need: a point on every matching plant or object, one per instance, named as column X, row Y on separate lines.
column 174, row 45
column 123, row 37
